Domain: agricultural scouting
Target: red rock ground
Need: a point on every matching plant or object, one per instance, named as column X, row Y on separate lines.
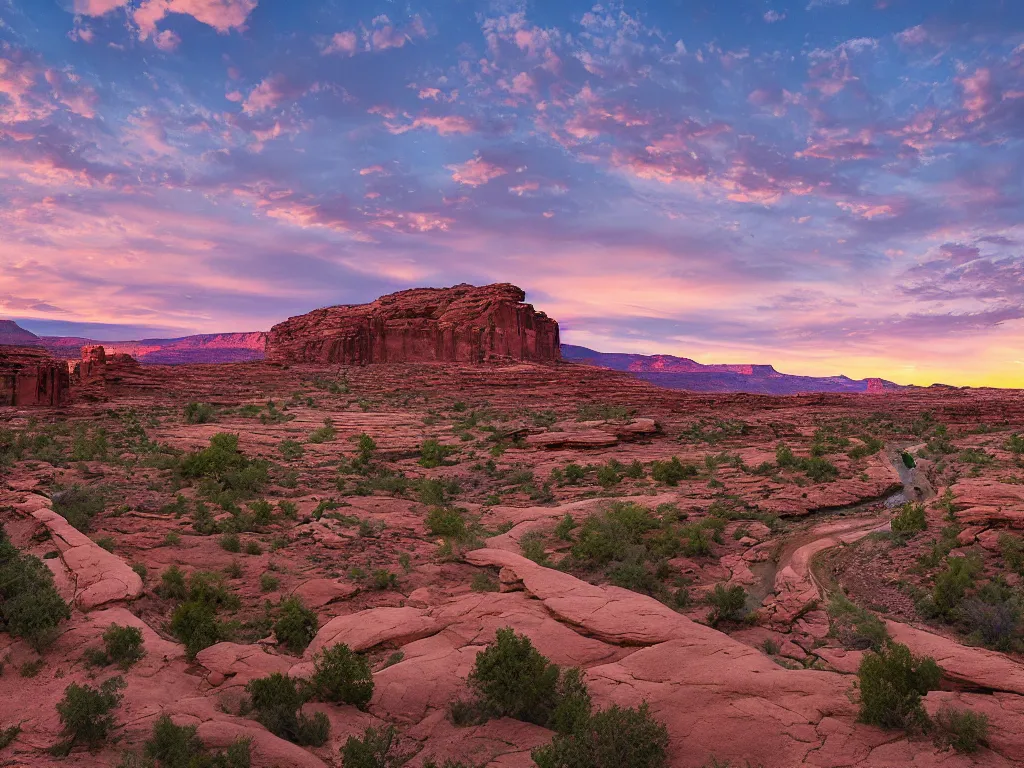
column 776, row 689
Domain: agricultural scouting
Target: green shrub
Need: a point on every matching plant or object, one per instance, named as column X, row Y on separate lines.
column 565, row 527
column 1012, row 549
column 123, row 645
column 323, row 434
column 252, row 547
column 951, row 585
column 177, row 746
column 609, row 536
column 230, row 542
column 446, row 521
column 727, row 603
column 195, row 624
column 483, row 583
column 574, row 473
column 199, row 413
column 86, row 713
column 910, row 519
column 141, row 570
column 277, row 701
column 227, row 474
column 613, row 738
column 79, row 505
column 672, row 471
column 608, row 474
column 1015, row 443
column 172, row 584
column 291, row 450
column 533, row 548
column 855, row 627
column 573, row 707
column 961, row 729
column 269, row 582
column 377, row 749
column 512, row 679
column 892, row 682
column 434, row 454
column 296, row 625
column 30, row 605
column 343, row 676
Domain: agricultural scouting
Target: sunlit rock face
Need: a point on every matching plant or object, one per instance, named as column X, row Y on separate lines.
column 465, row 323
column 29, row 376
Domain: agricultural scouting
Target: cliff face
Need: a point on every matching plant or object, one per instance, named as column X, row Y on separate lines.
column 464, row 323
column 29, row 376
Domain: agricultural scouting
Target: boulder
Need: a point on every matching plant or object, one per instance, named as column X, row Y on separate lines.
column 464, row 323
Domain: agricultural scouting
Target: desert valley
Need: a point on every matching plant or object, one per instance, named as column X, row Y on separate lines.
column 415, row 535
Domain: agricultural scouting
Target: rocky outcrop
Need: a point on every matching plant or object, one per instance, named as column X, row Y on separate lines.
column 460, row 324
column 29, row 376
column 93, row 367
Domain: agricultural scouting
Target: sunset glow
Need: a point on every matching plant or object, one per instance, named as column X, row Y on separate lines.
column 831, row 186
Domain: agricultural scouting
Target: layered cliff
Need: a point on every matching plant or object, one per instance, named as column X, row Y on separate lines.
column 29, row 376
column 464, row 323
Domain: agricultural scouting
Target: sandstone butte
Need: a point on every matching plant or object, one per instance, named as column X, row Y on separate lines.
column 464, row 323
column 30, row 376
column 775, row 689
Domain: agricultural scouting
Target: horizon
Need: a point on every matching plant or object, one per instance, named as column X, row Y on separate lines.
column 826, row 186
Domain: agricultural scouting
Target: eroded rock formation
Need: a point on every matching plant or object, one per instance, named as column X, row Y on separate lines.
column 29, row 376
column 464, row 323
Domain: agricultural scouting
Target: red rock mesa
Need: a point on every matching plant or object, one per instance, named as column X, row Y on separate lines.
column 30, row 376
column 464, row 323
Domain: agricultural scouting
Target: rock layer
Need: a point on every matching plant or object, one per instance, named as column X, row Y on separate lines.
column 30, row 376
column 459, row 324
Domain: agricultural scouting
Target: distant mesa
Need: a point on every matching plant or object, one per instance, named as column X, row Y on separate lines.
column 461, row 324
column 684, row 373
column 31, row 376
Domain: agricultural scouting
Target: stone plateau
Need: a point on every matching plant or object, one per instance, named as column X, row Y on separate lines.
column 459, row 324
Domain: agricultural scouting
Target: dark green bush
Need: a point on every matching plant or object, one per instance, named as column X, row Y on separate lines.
column 30, row 606
column 565, row 527
column 434, row 454
column 226, row 472
column 343, row 676
column 512, row 679
column 613, row 738
column 277, row 701
column 910, row 519
column 199, row 413
column 908, row 460
column 177, row 746
column 87, row 713
column 172, row 584
column 79, row 505
column 855, row 627
column 892, row 682
column 195, row 624
column 961, row 729
column 377, row 749
column 446, row 521
column 727, row 603
column 951, row 585
column 121, row 646
column 672, row 471
column 323, row 434
column 230, row 542
column 296, row 625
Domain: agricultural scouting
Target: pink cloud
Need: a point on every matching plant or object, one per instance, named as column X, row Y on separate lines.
column 222, row 15
column 867, row 210
column 979, row 93
column 68, row 91
column 96, row 7
column 372, row 169
column 166, row 41
column 446, row 125
column 270, row 93
column 346, row 43
column 476, row 172
column 912, row 36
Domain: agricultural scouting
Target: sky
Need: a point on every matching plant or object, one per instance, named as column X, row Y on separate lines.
column 829, row 186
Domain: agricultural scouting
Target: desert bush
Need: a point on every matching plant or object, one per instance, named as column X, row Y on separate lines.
column 277, row 702
column 226, row 473
column 377, row 749
column 199, row 413
column 269, row 582
column 446, row 521
column 177, row 746
column 613, row 738
column 483, row 583
column 1012, row 549
column 122, row 646
column 343, row 676
column 961, row 729
column 86, row 713
column 79, row 505
column 172, row 584
column 892, row 682
column 910, row 519
column 855, row 627
column 30, row 605
column 512, row 679
column 195, row 624
column 727, row 603
column 951, row 586
column 608, row 474
column 230, row 542
column 533, row 548
column 635, row 575
column 1015, row 443
column 993, row 616
column 323, row 434
column 434, row 454
column 296, row 625
column 291, row 450
column 608, row 536
column 565, row 527
column 437, row 492
column 672, row 471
